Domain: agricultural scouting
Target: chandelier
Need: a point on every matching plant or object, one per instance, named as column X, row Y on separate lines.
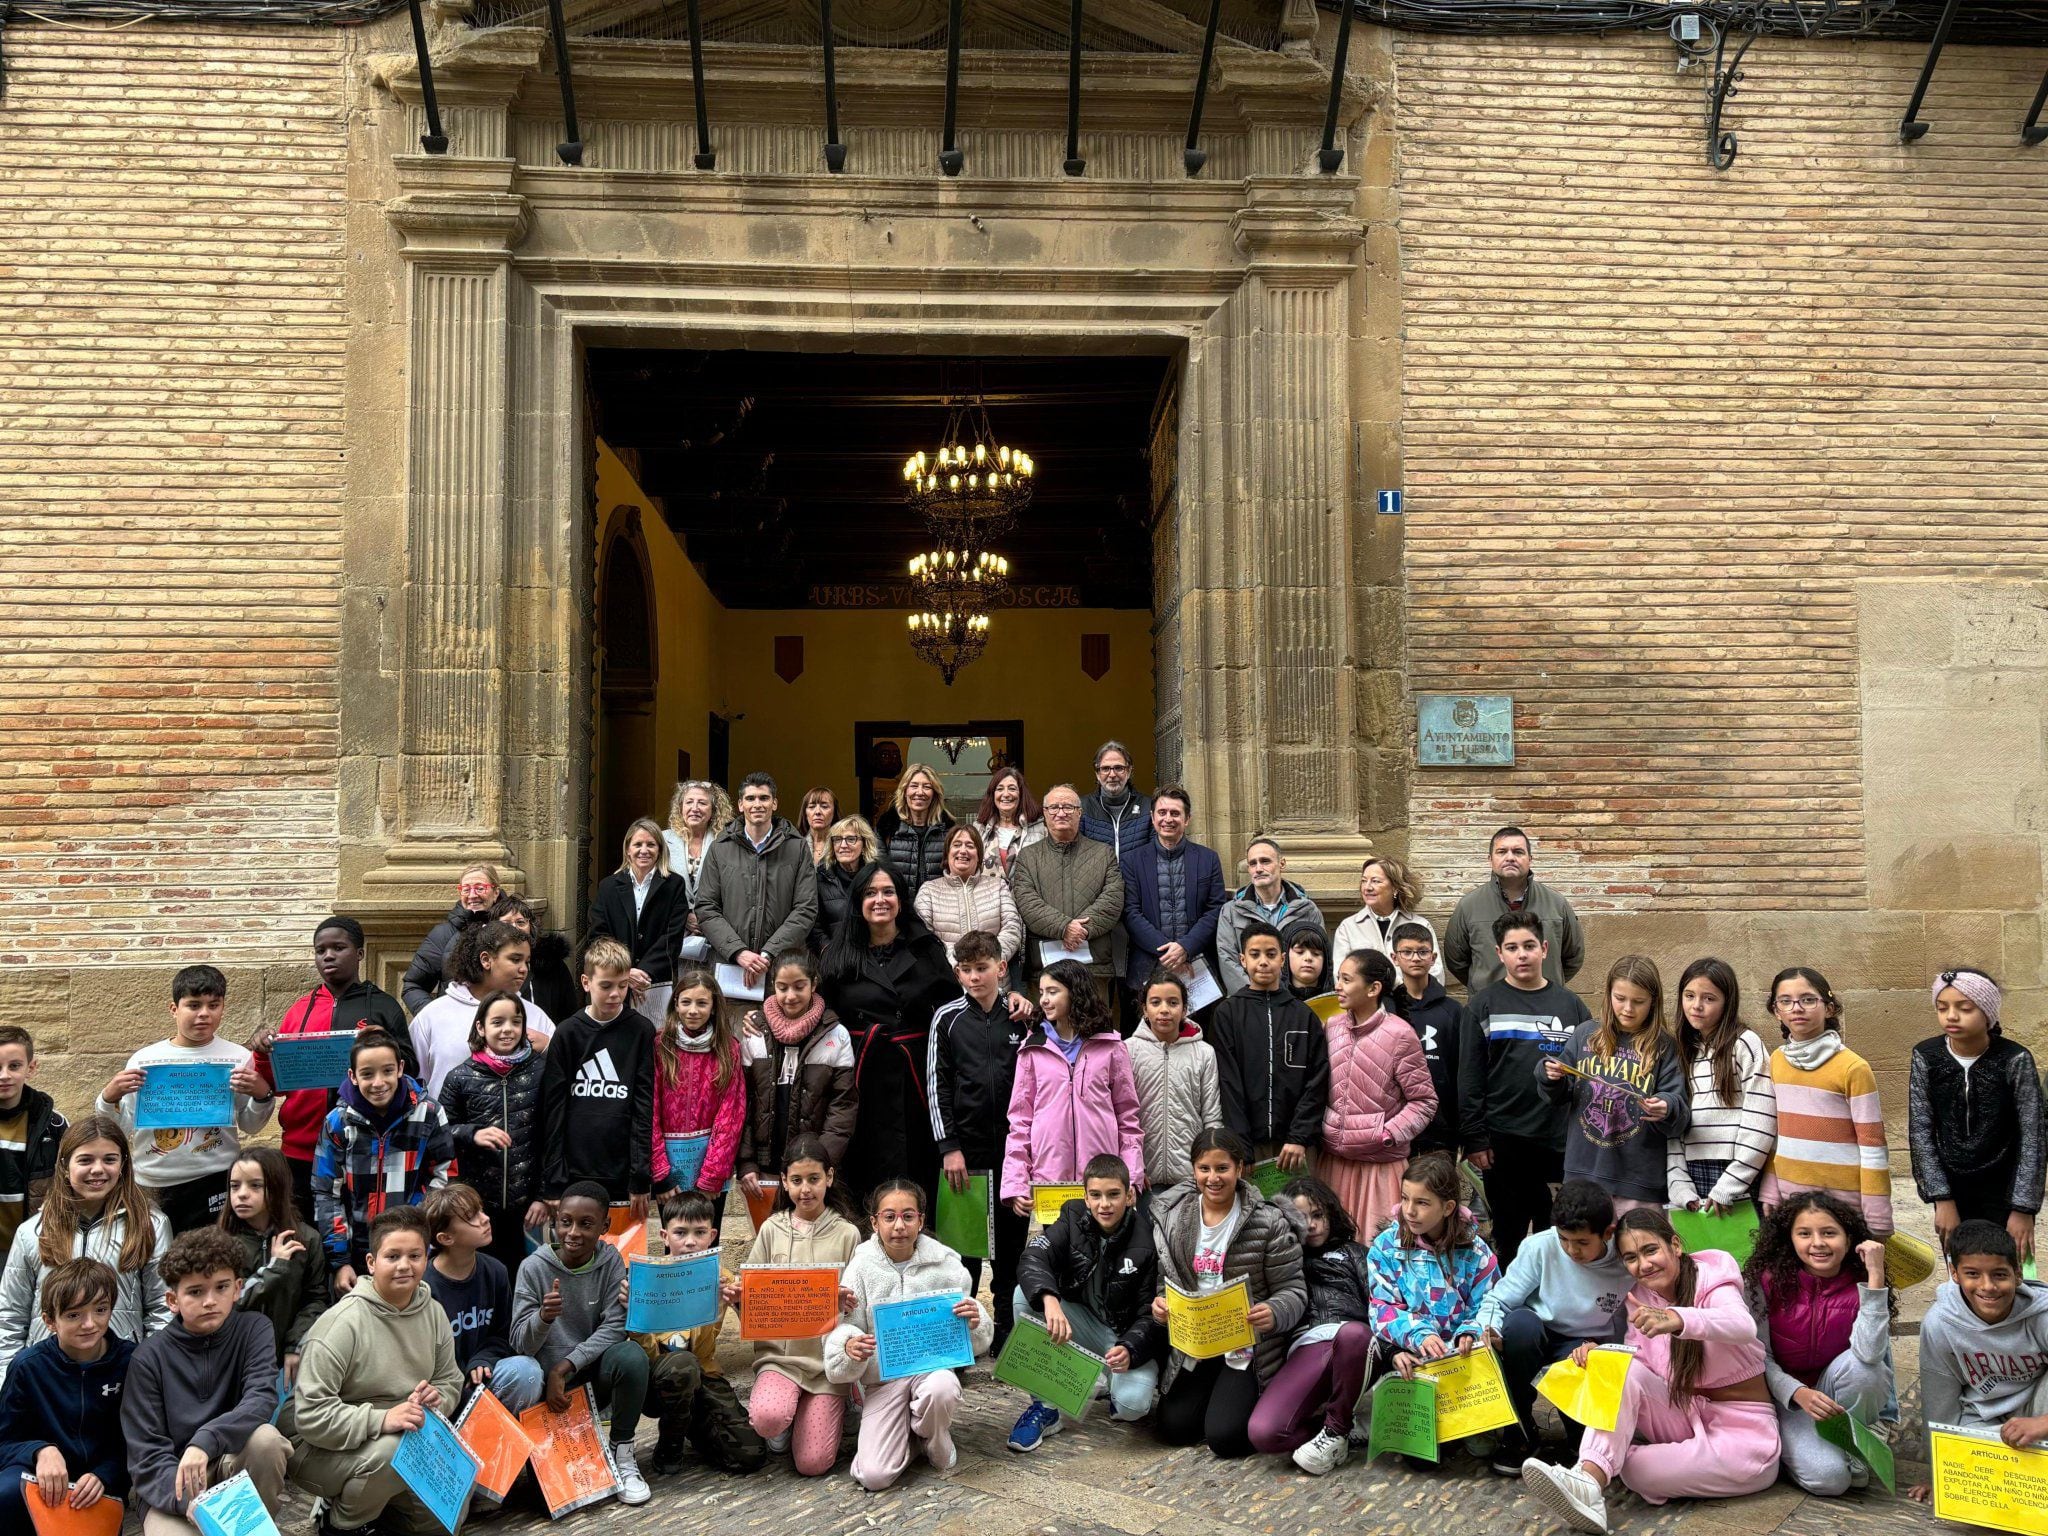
column 970, row 491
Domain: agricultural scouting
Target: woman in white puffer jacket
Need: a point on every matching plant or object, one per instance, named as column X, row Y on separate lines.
column 900, row 1261
column 968, row 897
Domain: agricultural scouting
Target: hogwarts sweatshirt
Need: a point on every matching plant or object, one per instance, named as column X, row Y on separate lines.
column 597, row 1106
column 1978, row 1373
column 1609, row 1139
column 593, row 1317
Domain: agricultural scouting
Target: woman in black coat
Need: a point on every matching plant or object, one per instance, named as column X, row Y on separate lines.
column 885, row 973
column 647, row 909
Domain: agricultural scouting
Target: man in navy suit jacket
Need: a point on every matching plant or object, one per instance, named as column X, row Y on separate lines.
column 1173, row 894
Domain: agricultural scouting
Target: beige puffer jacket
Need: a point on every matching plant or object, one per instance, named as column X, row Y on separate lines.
column 951, row 906
column 1178, row 1098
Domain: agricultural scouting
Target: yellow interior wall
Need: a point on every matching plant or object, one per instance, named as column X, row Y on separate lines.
column 858, row 666
column 686, row 643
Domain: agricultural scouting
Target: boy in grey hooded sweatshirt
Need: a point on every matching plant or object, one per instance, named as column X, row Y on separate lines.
column 1984, row 1343
column 567, row 1314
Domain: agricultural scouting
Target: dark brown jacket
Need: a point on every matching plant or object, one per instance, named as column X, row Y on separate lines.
column 820, row 1097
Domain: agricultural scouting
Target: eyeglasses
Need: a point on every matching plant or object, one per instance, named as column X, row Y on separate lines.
column 1063, row 810
column 845, row 837
column 1800, row 1004
column 475, row 890
column 1410, row 952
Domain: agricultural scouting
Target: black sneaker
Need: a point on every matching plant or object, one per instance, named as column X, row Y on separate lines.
column 1509, row 1455
column 671, row 1455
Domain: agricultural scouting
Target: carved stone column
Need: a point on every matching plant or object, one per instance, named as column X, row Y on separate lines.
column 1269, row 525
column 459, row 222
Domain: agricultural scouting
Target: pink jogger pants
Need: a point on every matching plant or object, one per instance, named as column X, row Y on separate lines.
column 1707, row 1450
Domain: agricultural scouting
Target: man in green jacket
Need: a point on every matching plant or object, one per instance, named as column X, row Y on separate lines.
column 758, row 893
column 1468, row 940
column 1069, row 891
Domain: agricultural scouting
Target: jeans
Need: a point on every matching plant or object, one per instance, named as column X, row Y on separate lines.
column 1131, row 1393
column 1528, row 1346
column 518, row 1382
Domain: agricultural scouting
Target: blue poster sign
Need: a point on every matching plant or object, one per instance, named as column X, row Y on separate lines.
column 311, row 1061
column 670, row 1295
column 1465, row 730
column 439, row 1469
column 185, row 1096
column 686, row 1157
column 920, row 1334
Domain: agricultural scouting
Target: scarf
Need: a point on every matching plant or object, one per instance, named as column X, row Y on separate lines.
column 502, row 1065
column 700, row 1042
column 381, row 1120
column 788, row 1031
column 1811, row 1055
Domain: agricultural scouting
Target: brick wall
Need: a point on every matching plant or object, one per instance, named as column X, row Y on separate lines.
column 171, row 343
column 1658, row 421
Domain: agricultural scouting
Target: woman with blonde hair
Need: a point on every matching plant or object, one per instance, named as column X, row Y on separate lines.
column 1009, row 819
column 853, row 848
column 646, row 908
column 820, row 810
column 969, row 897
column 1390, row 893
column 912, row 831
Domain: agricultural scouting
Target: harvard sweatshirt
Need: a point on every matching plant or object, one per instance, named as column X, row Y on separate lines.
column 1974, row 1373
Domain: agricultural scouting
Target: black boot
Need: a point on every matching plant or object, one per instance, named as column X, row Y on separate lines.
column 671, row 1450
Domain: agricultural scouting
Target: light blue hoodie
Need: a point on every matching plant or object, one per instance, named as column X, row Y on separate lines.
column 1580, row 1301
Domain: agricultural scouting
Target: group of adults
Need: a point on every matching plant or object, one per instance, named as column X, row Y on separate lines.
column 1112, row 877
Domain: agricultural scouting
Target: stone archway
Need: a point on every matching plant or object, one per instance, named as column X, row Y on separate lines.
column 1275, row 578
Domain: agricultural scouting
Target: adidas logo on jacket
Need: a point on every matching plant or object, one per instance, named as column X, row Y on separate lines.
column 597, row 1105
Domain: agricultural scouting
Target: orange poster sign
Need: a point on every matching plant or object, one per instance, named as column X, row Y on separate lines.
column 787, row 1301
column 569, row 1459
column 101, row 1518
column 760, row 1207
column 497, row 1442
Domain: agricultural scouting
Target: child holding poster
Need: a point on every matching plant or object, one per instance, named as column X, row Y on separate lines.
column 1695, row 1419
column 95, row 1210
column 1073, row 1098
column 801, row 1082
column 794, row 1406
column 1984, row 1342
column 1973, row 1115
column 1210, row 1233
column 700, row 1083
column 492, row 1102
column 60, row 1416
column 1174, row 1071
column 1429, row 1271
column 1626, row 1087
column 185, row 1169
column 342, row 1004
column 376, row 1364
column 900, row 1261
column 1824, row 1311
column 1307, row 1408
column 1716, row 1164
column 696, row 1402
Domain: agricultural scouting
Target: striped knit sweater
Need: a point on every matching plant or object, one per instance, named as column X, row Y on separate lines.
column 1742, row 1136
column 1831, row 1136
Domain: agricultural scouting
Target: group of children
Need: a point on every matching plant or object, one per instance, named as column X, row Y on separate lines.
column 461, row 1193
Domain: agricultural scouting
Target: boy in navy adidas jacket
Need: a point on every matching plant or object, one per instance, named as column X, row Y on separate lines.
column 60, row 1416
column 597, row 1089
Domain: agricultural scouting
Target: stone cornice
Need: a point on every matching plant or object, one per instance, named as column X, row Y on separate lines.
column 1304, row 226
column 452, row 208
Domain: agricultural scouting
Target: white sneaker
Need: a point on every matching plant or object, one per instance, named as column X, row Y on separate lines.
column 632, row 1486
column 1859, row 1472
column 1567, row 1493
column 1324, row 1454
column 941, row 1452
column 779, row 1444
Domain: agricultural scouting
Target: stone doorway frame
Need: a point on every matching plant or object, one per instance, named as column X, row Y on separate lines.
column 1278, row 581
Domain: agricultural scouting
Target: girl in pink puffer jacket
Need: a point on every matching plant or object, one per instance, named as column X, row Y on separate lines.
column 1074, row 1096
column 1381, row 1094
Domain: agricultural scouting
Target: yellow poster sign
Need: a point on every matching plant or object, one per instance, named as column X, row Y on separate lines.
column 1203, row 1327
column 1471, row 1395
column 1048, row 1200
column 1980, row 1480
column 1591, row 1396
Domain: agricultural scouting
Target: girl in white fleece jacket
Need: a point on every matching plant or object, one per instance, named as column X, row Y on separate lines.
column 900, row 1261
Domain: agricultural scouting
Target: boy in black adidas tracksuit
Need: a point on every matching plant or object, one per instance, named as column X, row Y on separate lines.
column 970, row 1067
column 597, row 1090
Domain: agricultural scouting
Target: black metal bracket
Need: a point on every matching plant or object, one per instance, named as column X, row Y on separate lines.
column 2032, row 131
column 951, row 157
column 433, row 141
column 1191, row 157
column 706, row 158
column 1911, row 127
column 570, row 150
column 1074, row 165
column 1330, row 158
column 835, row 152
column 1721, row 146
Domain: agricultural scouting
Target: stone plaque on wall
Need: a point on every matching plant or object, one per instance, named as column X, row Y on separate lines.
column 1465, row 730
